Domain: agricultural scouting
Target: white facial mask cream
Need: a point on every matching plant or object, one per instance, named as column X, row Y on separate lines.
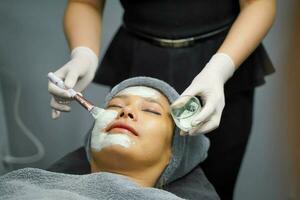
column 101, row 139
column 142, row 91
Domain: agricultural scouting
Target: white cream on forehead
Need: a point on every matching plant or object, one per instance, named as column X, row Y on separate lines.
column 142, row 91
column 100, row 139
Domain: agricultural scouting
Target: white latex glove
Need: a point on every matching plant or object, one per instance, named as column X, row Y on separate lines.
column 78, row 73
column 209, row 86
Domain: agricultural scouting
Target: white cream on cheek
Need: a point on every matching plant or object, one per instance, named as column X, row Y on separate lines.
column 142, row 91
column 101, row 139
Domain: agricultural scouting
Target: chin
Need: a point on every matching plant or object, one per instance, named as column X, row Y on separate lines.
column 115, row 151
column 117, row 147
column 115, row 156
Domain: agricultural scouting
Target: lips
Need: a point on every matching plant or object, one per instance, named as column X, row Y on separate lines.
column 122, row 128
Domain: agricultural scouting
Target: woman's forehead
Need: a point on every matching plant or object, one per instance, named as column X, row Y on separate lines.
column 142, row 91
column 147, row 93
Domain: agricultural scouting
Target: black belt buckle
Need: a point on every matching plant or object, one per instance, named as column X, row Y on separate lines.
column 175, row 43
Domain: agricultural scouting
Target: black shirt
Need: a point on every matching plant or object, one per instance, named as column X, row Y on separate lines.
column 130, row 56
column 178, row 18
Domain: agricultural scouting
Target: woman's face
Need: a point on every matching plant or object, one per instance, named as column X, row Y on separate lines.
column 144, row 118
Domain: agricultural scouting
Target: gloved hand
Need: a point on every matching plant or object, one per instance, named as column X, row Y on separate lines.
column 209, row 86
column 78, row 73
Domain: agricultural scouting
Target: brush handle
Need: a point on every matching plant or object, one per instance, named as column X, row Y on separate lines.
column 58, row 82
column 55, row 80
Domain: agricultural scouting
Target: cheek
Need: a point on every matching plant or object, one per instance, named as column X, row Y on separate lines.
column 156, row 131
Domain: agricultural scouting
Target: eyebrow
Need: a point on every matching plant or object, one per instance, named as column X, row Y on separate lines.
column 149, row 99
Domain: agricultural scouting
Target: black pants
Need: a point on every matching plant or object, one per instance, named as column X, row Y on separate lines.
column 228, row 143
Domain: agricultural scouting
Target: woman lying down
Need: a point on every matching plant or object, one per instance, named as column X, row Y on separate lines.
column 134, row 150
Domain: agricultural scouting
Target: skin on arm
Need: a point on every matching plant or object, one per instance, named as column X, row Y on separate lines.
column 251, row 26
column 82, row 23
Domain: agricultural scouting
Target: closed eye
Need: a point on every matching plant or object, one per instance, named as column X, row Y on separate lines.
column 146, row 110
column 152, row 111
column 114, row 106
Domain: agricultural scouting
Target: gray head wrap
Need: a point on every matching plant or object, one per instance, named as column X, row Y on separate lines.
column 187, row 151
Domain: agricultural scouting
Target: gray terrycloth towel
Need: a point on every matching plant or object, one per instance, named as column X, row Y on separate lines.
column 187, row 151
column 37, row 184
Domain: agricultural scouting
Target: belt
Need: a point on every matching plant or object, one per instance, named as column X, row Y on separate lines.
column 175, row 43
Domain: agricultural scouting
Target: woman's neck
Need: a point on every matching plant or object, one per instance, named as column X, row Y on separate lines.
column 144, row 177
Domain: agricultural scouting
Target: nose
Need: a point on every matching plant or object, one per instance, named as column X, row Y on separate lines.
column 126, row 112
